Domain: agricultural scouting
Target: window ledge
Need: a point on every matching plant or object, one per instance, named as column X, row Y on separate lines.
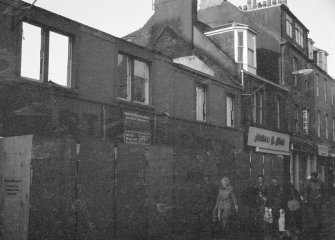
column 45, row 87
column 134, row 104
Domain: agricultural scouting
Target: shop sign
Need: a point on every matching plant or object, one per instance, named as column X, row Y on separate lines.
column 305, row 121
column 269, row 141
column 323, row 150
column 303, row 148
column 136, row 138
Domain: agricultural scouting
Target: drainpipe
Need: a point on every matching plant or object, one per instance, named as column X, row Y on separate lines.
column 242, row 79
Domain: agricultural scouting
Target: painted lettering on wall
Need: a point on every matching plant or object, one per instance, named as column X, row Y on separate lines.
column 271, row 140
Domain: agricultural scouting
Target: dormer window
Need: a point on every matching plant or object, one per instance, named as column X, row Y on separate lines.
column 322, row 59
column 299, row 35
column 245, row 49
column 288, row 26
column 243, row 39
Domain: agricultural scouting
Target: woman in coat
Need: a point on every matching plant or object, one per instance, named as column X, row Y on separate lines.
column 293, row 216
column 225, row 203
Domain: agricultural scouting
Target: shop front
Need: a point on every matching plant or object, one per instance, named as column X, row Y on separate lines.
column 302, row 160
column 270, row 150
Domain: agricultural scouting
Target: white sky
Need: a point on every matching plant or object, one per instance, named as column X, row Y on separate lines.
column 120, row 17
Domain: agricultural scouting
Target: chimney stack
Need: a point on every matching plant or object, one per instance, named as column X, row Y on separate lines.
column 249, row 4
column 254, row 4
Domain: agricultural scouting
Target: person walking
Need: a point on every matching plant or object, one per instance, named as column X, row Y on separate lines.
column 313, row 195
column 226, row 203
column 273, row 201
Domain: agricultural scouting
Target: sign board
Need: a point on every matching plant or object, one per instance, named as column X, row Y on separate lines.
column 136, row 138
column 323, row 150
column 302, row 147
column 305, row 121
column 12, row 187
column 137, row 128
column 136, row 121
column 269, row 141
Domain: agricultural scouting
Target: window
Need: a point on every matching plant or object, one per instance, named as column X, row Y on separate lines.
column 230, row 111
column 254, row 109
column 295, row 68
column 296, row 119
column 334, row 129
column 133, row 76
column 319, row 123
column 332, row 94
column 251, row 50
column 317, row 85
column 200, row 104
column 36, row 65
column 299, row 35
column 306, row 86
column 288, row 25
column 326, row 126
column 245, row 49
column 240, row 46
column 322, row 59
column 260, row 107
column 31, row 50
column 325, row 89
column 278, row 111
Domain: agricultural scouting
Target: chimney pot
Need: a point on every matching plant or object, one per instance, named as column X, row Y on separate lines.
column 259, row 5
column 285, row 2
column 280, row 1
column 264, row 3
column 245, row 7
column 274, row 2
column 240, row 7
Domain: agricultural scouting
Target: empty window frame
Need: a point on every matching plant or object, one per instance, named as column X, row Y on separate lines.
column 319, row 123
column 200, row 103
column 45, row 55
column 299, row 35
column 288, row 25
column 133, row 79
column 230, row 111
